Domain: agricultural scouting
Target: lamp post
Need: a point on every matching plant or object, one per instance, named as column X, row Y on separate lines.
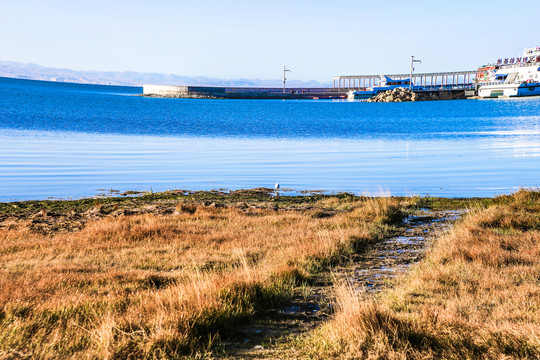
column 412, row 70
column 285, row 77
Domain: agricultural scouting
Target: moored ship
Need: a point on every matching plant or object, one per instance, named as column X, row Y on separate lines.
column 385, row 83
column 511, row 77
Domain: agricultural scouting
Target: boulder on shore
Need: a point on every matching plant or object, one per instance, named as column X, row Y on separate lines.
column 398, row 95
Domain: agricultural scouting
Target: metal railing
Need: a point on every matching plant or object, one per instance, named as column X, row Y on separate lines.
column 447, row 87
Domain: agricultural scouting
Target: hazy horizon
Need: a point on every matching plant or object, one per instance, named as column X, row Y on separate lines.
column 32, row 71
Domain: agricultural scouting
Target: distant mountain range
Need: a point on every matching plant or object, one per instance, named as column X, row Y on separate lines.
column 130, row 78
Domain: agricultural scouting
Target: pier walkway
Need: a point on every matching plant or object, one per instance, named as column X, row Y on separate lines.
column 431, row 81
column 242, row 92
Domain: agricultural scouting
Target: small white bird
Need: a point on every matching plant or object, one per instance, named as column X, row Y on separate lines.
column 277, row 186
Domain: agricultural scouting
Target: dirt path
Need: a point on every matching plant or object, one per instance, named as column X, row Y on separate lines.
column 369, row 271
column 372, row 269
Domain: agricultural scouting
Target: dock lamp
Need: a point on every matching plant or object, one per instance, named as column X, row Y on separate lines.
column 285, row 77
column 412, row 70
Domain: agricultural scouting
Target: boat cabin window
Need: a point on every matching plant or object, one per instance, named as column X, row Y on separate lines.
column 397, row 83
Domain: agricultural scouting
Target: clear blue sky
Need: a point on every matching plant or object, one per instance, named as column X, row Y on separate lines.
column 253, row 39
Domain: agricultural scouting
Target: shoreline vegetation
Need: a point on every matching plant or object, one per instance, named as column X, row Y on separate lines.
column 169, row 275
column 476, row 295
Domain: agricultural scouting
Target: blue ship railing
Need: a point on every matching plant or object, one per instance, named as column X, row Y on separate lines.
column 445, row 87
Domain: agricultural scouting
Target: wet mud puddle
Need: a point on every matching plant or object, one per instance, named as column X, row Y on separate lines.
column 368, row 271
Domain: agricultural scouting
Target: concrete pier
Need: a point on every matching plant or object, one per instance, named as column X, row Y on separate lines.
column 431, row 82
column 208, row 92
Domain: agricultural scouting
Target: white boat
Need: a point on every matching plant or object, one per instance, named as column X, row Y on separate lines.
column 384, row 84
column 511, row 77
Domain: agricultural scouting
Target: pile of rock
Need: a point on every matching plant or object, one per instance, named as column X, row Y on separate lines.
column 398, row 95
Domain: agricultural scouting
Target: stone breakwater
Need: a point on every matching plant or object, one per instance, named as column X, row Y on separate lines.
column 399, row 95
column 405, row 95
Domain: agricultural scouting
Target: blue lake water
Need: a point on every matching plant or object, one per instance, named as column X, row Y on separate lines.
column 70, row 140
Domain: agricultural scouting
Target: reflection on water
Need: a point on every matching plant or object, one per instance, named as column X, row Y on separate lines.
column 41, row 164
column 517, row 146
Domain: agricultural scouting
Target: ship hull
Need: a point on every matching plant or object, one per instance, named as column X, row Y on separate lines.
column 509, row 90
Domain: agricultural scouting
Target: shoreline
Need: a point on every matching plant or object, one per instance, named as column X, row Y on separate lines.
column 252, row 193
column 223, row 194
column 72, row 215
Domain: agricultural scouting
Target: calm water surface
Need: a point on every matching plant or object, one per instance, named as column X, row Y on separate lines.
column 69, row 140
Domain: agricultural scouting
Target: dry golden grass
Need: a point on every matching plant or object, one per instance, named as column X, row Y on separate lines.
column 475, row 296
column 149, row 286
